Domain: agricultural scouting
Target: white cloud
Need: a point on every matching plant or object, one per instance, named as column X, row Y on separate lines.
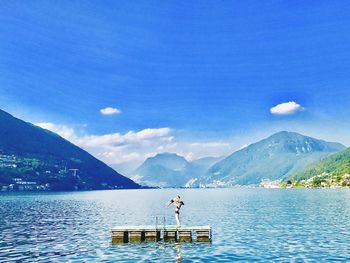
column 147, row 134
column 125, row 152
column 118, row 158
column 62, row 130
column 210, row 144
column 110, row 111
column 143, row 137
column 286, row 108
column 117, row 148
column 113, row 139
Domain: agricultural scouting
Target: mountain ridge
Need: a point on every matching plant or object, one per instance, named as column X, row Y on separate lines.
column 272, row 158
column 42, row 156
column 335, row 167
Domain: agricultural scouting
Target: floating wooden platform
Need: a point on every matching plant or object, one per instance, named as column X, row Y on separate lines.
column 151, row 233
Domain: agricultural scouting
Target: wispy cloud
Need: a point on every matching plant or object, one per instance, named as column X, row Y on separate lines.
column 63, row 130
column 286, row 108
column 110, row 111
column 127, row 151
column 210, row 144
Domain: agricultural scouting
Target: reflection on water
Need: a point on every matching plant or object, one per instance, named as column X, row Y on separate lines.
column 178, row 253
column 248, row 225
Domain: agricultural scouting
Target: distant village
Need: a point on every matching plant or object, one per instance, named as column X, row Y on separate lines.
column 11, row 162
column 20, row 185
column 324, row 180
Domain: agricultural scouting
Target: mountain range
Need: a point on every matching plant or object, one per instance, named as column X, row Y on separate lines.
column 31, row 154
column 274, row 158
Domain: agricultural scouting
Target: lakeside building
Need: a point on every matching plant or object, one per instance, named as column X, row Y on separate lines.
column 20, row 185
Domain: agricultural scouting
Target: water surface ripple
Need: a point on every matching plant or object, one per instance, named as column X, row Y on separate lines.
column 298, row 225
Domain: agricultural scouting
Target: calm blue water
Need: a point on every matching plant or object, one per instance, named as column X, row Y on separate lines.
column 248, row 225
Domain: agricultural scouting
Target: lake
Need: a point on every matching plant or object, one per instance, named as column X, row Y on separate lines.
column 249, row 224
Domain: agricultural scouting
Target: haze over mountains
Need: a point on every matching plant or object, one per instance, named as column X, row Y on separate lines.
column 171, row 170
column 32, row 154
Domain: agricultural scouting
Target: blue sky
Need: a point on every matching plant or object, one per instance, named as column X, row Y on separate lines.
column 196, row 77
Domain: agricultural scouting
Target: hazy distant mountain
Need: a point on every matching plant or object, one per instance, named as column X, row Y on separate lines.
column 273, row 158
column 171, row 170
column 201, row 166
column 335, row 166
column 206, row 162
column 38, row 155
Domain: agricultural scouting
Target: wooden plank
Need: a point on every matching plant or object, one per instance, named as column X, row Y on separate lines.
column 135, row 236
column 203, row 236
column 152, row 236
column 120, row 237
column 203, row 239
column 185, row 236
column 203, row 233
column 118, row 234
column 170, row 235
column 134, row 228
